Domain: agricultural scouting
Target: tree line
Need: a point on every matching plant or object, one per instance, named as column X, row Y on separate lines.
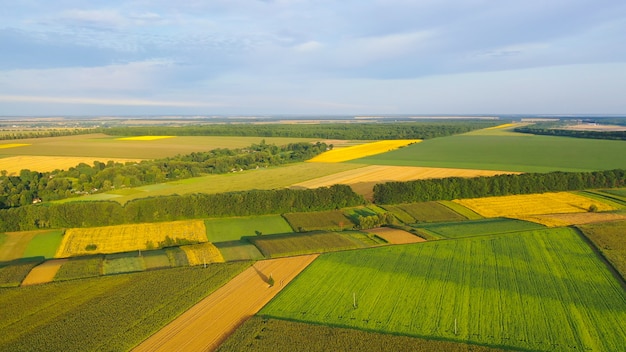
column 361, row 131
column 555, row 131
column 31, row 186
column 106, row 213
column 500, row 185
column 22, row 134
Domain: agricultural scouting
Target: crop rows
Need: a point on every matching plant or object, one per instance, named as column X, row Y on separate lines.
column 538, row 290
column 479, row 227
column 322, row 220
column 429, row 212
column 312, row 242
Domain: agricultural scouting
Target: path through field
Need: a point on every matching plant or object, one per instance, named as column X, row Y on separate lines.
column 208, row 323
column 44, row 272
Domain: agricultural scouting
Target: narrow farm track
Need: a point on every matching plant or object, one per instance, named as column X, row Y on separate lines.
column 208, row 323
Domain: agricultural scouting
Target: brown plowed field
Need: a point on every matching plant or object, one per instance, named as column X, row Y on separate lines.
column 395, row 236
column 208, row 323
column 43, row 273
column 362, row 180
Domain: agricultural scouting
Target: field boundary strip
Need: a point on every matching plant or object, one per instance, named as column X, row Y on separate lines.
column 207, row 324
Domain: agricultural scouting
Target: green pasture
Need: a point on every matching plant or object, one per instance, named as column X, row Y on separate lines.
column 518, row 152
column 232, row 229
column 104, row 146
column 399, row 213
column 603, row 197
column 481, row 227
column 155, row 259
column 238, row 250
column 542, row 290
column 80, row 268
column 44, row 244
column 610, row 239
column 112, row 313
column 122, row 263
column 332, row 220
column 620, row 192
column 458, row 208
column 430, row 212
column 176, row 256
column 312, row 242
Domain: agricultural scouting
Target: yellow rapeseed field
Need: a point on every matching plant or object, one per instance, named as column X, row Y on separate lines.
column 124, row 238
column 14, row 164
column 358, row 151
column 12, row 145
column 143, row 138
column 532, row 204
column 506, row 125
column 203, row 253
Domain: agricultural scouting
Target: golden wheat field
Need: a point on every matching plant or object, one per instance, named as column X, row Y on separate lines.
column 532, row 204
column 124, row 238
column 358, row 151
column 203, row 253
column 143, row 138
column 14, row 164
column 559, row 220
column 12, row 145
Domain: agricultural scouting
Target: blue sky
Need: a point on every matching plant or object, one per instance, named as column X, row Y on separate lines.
column 312, row 57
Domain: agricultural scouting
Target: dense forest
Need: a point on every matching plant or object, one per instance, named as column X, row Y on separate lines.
column 548, row 130
column 104, row 213
column 362, row 131
column 476, row 187
column 32, row 186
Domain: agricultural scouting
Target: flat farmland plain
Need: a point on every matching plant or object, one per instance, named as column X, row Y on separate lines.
column 542, row 290
column 208, row 323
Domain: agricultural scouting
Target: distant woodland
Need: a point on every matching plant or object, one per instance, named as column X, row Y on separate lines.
column 548, row 130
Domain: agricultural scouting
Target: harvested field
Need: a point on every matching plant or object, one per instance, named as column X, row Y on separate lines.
column 532, row 204
column 395, row 236
column 362, row 180
column 15, row 164
column 123, row 238
column 358, row 151
column 557, row 220
column 208, row 323
column 44, row 272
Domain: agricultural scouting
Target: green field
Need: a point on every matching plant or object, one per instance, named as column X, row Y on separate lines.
column 232, row 229
column 112, row 313
column 429, row 212
column 538, row 291
column 516, row 152
column 155, row 259
column 610, row 239
column 400, row 214
column 44, row 244
column 176, row 256
column 458, row 208
column 333, row 220
column 122, row 263
column 480, row 227
column 311, row 242
column 13, row 273
column 238, row 250
column 80, row 268
column 260, row 334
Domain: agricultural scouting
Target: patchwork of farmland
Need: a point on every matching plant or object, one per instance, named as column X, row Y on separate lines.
column 334, row 220
column 424, row 212
column 14, row 164
column 24, row 244
column 532, row 204
column 238, row 250
column 122, row 238
column 557, row 220
column 610, row 239
column 480, row 227
column 536, row 290
column 358, row 151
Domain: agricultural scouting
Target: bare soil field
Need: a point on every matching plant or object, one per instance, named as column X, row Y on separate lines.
column 362, row 180
column 208, row 323
column 395, row 236
column 43, row 272
column 14, row 164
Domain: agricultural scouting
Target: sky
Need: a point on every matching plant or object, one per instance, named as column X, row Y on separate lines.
column 349, row 57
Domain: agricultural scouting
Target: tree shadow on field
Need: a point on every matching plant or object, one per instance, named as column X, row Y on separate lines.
column 263, row 277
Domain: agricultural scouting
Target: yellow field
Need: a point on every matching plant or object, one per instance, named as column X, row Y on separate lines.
column 143, row 138
column 204, row 253
column 506, row 125
column 532, row 204
column 14, row 164
column 558, row 220
column 124, row 238
column 12, row 145
column 358, row 151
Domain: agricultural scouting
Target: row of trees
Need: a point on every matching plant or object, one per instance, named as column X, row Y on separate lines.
column 100, row 177
column 458, row 187
column 105, row 213
column 555, row 131
column 22, row 134
column 363, row 131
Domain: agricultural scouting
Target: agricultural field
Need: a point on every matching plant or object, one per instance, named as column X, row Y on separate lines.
column 560, row 220
column 481, row 227
column 132, row 237
column 363, row 179
column 610, row 239
column 198, row 330
column 120, row 263
column 339, row 155
column 202, row 254
column 44, row 244
column 238, row 250
column 518, row 152
column 532, row 204
column 259, row 334
column 80, row 268
column 14, row 245
column 312, row 242
column 14, row 164
column 426, row 212
column 395, row 236
column 537, row 290
column 333, row 220
column 44, row 272
column 13, row 273
column 103, row 313
column 156, row 259
column 234, row 228
column 458, row 208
